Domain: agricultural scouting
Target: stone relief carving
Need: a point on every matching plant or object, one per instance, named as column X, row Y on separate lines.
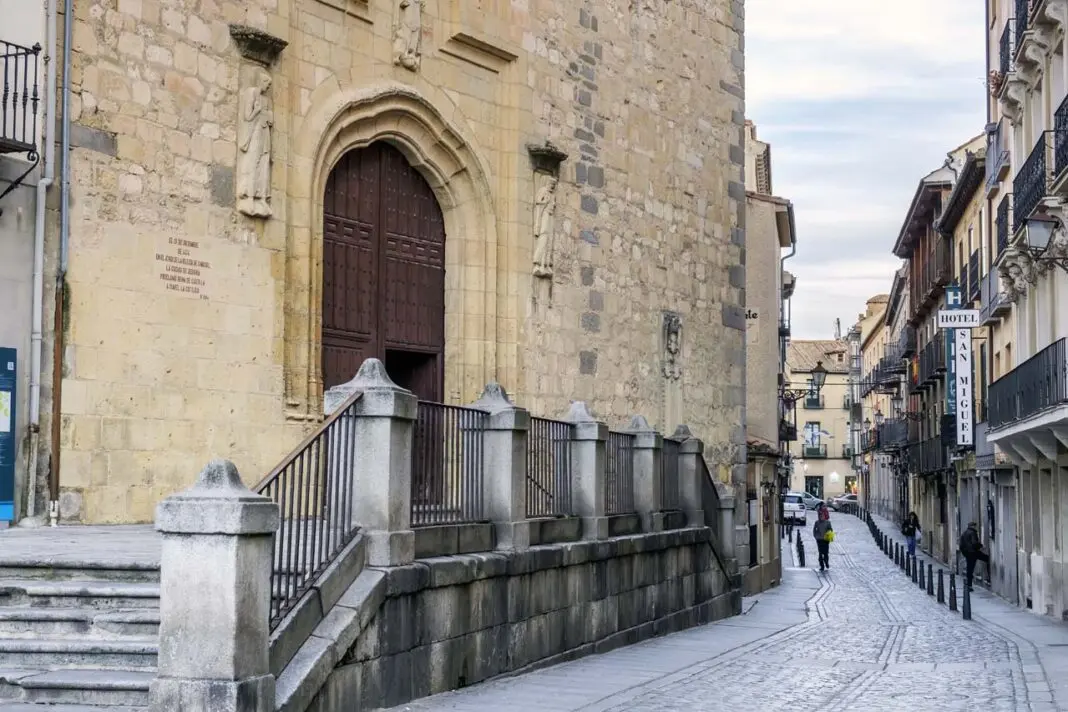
column 672, row 346
column 255, row 125
column 408, row 35
column 544, row 214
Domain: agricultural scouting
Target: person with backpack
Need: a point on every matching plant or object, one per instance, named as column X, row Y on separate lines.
column 912, row 532
column 823, row 533
column 972, row 550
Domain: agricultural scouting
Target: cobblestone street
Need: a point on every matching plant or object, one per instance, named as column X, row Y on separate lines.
column 862, row 637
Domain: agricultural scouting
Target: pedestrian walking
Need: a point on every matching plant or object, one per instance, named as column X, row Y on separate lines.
column 823, row 533
column 911, row 530
column 972, row 550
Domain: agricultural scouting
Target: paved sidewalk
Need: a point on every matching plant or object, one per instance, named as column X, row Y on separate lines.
column 861, row 637
column 1047, row 638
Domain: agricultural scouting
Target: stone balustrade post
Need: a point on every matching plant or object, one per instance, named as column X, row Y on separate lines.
column 691, row 470
column 215, row 598
column 648, row 473
column 383, row 427
column 589, row 475
column 505, row 467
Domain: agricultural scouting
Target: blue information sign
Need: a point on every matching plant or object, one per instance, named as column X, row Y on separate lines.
column 953, row 301
column 8, row 359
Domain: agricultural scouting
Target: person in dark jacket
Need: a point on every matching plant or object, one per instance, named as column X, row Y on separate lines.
column 819, row 533
column 972, row 549
column 911, row 530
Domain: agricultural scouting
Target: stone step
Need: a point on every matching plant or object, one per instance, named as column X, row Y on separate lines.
column 78, row 594
column 35, row 621
column 87, row 687
column 49, row 653
column 31, row 707
column 131, row 573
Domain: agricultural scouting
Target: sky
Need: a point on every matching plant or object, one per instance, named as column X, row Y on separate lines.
column 859, row 101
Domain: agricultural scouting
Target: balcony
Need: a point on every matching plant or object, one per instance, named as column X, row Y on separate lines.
column 997, row 151
column 787, row 432
column 974, row 280
column 893, row 434
column 1021, row 16
column 19, row 101
column 1039, row 383
column 994, row 304
column 932, row 361
column 1060, row 140
column 814, row 451
column 907, row 342
column 932, row 270
column 1031, row 183
column 814, row 402
column 1001, row 224
column 847, row 452
column 869, row 440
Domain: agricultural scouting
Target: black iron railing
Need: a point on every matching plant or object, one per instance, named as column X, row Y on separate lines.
column 20, row 99
column 893, row 434
column 815, row 451
column 1002, row 225
column 1060, row 138
column 992, row 301
column 907, row 341
column 996, row 155
column 1030, row 184
column 549, row 468
column 1023, row 9
column 813, row 402
column 313, row 490
column 1005, row 47
column 447, row 465
column 1038, row 383
column 787, row 432
column 669, row 475
column 619, row 482
column 974, row 279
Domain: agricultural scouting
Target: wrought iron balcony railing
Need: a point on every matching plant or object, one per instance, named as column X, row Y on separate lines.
column 1023, row 9
column 1001, row 224
column 815, row 451
column 893, row 434
column 974, row 280
column 1006, row 47
column 907, row 341
column 997, row 155
column 814, row 402
column 993, row 302
column 1038, row 383
column 20, row 99
column 1060, row 139
column 1031, row 183
column 787, row 432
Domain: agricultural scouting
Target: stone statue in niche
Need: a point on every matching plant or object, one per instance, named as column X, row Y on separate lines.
column 544, row 212
column 255, row 124
column 672, row 346
column 408, row 36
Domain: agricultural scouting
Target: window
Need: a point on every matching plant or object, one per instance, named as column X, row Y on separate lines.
column 981, row 391
column 812, row 432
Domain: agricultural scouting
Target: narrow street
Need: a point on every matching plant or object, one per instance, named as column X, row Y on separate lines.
column 862, row 637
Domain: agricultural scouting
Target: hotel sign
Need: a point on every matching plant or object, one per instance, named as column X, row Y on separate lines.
column 958, row 319
column 959, row 364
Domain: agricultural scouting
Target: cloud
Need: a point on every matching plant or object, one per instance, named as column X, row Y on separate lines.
column 859, row 101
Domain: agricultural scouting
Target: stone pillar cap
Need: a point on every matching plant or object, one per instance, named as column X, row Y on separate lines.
column 371, row 378
column 493, row 398
column 219, row 503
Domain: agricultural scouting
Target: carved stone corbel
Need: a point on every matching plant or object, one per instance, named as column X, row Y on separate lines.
column 1057, row 13
column 1037, row 48
column 1012, row 100
column 256, row 45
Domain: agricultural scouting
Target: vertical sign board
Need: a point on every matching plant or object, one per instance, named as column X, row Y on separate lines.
column 953, row 301
column 963, row 378
column 7, row 433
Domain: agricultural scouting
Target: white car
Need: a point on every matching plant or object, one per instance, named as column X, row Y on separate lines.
column 794, row 508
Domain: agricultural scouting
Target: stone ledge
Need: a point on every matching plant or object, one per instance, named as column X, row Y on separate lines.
column 449, row 539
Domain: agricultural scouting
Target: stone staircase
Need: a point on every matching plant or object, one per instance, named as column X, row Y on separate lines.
column 77, row 639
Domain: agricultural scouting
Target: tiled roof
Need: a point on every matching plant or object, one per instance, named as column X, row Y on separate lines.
column 801, row 356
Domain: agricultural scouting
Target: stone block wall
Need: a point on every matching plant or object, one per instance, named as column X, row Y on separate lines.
column 450, row 622
column 194, row 329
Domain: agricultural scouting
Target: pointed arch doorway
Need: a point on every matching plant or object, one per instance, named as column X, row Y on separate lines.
column 383, row 272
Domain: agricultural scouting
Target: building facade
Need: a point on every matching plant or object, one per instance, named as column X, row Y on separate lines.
column 822, row 463
column 262, row 195
column 769, row 231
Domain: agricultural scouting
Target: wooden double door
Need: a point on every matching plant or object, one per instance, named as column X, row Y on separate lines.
column 383, row 272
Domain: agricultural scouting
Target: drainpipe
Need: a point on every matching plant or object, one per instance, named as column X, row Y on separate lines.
column 61, row 273
column 37, row 310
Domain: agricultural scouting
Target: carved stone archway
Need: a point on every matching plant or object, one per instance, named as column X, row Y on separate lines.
column 431, row 135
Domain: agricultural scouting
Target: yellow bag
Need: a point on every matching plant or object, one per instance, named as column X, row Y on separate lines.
column 829, row 536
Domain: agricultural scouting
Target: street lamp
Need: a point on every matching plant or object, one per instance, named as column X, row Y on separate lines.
column 879, row 417
column 1039, row 243
column 897, row 402
column 819, row 376
column 867, row 423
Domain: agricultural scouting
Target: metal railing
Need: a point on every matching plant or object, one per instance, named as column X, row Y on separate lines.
column 814, row 402
column 313, row 489
column 669, row 476
column 992, row 300
column 973, row 276
column 1002, row 225
column 1038, row 383
column 1060, row 138
column 20, row 99
column 1023, row 9
column 549, row 468
column 815, row 451
column 893, row 434
column 619, row 483
column 1030, row 184
column 907, row 341
column 996, row 155
column 1006, row 48
column 447, row 465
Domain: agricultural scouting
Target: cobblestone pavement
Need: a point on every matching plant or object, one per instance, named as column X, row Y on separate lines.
column 861, row 637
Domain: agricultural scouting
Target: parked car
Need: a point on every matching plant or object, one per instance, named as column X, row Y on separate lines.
column 811, row 501
column 843, row 500
column 793, row 508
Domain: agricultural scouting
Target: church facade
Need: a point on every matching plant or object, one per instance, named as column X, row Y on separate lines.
column 265, row 193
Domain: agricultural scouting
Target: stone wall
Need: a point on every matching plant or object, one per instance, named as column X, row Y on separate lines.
column 194, row 328
column 441, row 624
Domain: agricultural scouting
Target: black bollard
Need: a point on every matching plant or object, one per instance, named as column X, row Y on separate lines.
column 897, row 555
column 952, row 592
column 930, row 580
column 914, row 565
column 790, row 534
column 800, row 552
column 923, row 579
column 966, row 605
column 941, row 588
